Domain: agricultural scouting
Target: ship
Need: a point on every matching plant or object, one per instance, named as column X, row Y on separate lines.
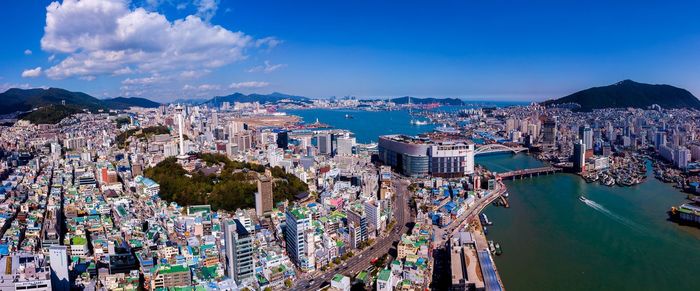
column 686, row 214
column 492, row 248
column 485, row 219
column 418, row 122
column 498, row 249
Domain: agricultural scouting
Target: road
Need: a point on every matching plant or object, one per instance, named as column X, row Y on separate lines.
column 360, row 260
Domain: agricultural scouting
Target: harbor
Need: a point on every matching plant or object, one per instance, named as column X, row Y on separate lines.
column 555, row 241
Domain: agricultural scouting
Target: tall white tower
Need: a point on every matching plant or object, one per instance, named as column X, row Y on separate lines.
column 178, row 110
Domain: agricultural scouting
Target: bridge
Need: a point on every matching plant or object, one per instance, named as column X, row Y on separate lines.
column 528, row 173
column 497, row 148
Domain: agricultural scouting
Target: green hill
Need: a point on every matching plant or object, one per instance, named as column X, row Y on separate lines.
column 628, row 93
column 50, row 114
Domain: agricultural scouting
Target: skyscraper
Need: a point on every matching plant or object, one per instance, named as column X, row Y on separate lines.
column 239, row 251
column 283, row 139
column 549, row 131
column 58, row 257
column 586, row 135
column 579, row 156
column 263, row 198
column 325, row 144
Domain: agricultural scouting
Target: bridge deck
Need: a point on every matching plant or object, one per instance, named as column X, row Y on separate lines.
column 529, row 172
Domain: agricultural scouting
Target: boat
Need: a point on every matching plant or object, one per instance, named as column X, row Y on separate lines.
column 498, row 249
column 583, row 199
column 492, row 248
column 348, row 116
column 485, row 219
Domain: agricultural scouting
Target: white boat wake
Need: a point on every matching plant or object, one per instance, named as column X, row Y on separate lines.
column 622, row 220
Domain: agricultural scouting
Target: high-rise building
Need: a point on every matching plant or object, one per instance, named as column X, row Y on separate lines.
column 239, row 251
column 585, row 133
column 659, row 139
column 243, row 140
column 345, row 145
column 549, row 131
column 58, row 259
column 283, row 139
column 373, row 210
column 264, row 196
column 359, row 219
column 579, row 156
column 298, row 222
column 325, row 144
column 682, row 157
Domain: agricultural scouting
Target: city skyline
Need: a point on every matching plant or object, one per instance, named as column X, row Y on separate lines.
column 164, row 50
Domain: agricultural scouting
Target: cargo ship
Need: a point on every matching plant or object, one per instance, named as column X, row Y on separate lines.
column 688, row 213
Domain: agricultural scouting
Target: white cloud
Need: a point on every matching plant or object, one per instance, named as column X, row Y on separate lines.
column 193, row 74
column 269, row 42
column 87, row 78
column 123, row 71
column 267, row 68
column 104, row 37
column 144, row 81
column 208, row 87
column 206, row 9
column 27, row 52
column 51, row 58
column 249, row 84
column 31, row 73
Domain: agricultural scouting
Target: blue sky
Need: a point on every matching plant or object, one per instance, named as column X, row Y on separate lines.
column 496, row 50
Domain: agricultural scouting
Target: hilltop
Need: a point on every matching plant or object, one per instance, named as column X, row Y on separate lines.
column 629, row 93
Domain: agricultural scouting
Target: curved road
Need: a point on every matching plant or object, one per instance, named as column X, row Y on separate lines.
column 360, row 260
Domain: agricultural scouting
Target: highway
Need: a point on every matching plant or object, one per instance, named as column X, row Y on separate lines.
column 360, row 260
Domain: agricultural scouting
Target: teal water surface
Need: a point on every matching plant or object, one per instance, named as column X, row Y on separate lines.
column 367, row 125
column 618, row 240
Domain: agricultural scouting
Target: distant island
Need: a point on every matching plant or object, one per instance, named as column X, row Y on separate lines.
column 628, row 93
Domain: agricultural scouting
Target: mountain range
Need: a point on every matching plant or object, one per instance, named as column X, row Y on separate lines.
column 254, row 97
column 629, row 93
column 416, row 100
column 23, row 100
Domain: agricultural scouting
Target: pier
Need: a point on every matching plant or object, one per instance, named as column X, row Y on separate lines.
column 528, row 173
